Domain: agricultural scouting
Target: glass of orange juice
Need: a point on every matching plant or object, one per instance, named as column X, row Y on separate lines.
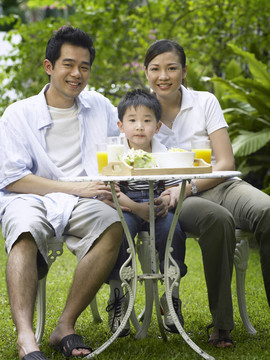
column 102, row 156
column 202, row 149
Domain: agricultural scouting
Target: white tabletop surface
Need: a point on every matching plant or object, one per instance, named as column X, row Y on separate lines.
column 212, row 175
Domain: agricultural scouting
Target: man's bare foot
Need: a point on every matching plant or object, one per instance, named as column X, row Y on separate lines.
column 59, row 334
column 26, row 344
column 220, row 338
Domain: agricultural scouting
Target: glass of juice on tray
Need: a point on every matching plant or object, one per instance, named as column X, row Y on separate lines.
column 115, row 148
column 102, row 156
column 202, row 149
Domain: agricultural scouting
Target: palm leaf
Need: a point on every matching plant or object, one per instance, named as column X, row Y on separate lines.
column 254, row 86
column 248, row 142
column 257, row 68
column 233, row 70
column 260, row 105
column 248, row 114
column 238, row 92
column 245, row 168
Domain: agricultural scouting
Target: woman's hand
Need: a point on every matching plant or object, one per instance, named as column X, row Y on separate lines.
column 173, row 195
column 161, row 205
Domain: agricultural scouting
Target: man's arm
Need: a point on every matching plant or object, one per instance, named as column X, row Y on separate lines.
column 33, row 184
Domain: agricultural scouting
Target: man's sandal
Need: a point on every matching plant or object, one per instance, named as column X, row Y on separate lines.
column 69, row 343
column 35, row 355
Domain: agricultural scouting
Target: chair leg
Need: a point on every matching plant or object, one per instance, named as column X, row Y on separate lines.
column 145, row 260
column 94, row 308
column 55, row 249
column 241, row 263
column 41, row 309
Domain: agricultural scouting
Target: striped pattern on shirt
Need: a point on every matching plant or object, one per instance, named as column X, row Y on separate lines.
column 136, row 185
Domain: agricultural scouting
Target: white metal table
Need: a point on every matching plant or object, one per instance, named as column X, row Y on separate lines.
column 128, row 272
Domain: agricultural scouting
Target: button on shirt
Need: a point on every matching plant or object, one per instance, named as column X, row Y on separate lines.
column 23, row 129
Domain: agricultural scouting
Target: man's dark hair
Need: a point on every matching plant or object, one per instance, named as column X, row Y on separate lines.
column 68, row 35
column 139, row 97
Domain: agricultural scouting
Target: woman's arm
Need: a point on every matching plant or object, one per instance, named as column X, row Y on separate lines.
column 222, row 149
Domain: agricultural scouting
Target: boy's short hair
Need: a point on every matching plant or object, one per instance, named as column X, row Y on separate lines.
column 68, row 35
column 139, row 97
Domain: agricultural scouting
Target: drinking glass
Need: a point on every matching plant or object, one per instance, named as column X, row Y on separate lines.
column 202, row 149
column 115, row 148
column 102, row 156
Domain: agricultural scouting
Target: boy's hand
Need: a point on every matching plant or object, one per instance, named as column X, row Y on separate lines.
column 111, row 203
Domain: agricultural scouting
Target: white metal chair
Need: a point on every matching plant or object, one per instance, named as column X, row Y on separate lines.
column 241, row 257
column 55, row 249
column 128, row 275
column 143, row 247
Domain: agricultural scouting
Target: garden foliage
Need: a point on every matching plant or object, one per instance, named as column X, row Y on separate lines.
column 123, row 30
column 245, row 96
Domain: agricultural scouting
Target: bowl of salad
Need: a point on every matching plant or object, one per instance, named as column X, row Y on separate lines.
column 139, row 159
column 175, row 158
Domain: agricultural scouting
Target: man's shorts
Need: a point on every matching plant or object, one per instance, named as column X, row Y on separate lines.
column 89, row 219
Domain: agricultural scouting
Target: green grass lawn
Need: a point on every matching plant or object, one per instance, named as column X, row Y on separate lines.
column 195, row 311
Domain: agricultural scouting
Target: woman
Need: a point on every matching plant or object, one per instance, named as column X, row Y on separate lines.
column 212, row 208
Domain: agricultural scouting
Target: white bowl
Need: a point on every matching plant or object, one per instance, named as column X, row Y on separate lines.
column 174, row 159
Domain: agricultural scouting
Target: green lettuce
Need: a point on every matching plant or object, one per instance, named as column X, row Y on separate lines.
column 139, row 159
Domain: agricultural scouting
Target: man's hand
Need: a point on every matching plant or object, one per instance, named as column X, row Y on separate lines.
column 94, row 188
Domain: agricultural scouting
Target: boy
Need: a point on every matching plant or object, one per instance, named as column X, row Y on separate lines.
column 139, row 119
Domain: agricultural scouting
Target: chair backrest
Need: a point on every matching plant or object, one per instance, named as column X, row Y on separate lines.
column 55, row 248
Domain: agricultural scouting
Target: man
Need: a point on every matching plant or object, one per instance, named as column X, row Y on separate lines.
column 42, row 138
